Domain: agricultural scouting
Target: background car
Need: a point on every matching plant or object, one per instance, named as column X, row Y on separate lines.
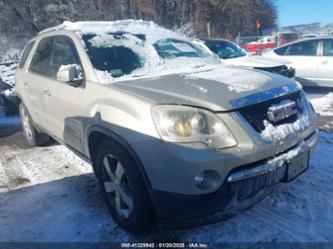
column 230, row 53
column 312, row 59
column 8, row 97
column 269, row 42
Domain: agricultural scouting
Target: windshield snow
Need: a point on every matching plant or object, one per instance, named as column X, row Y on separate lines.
column 125, row 55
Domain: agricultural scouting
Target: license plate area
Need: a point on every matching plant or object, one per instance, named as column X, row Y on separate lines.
column 297, row 165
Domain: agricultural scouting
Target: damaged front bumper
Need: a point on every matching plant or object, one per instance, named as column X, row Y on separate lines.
column 244, row 186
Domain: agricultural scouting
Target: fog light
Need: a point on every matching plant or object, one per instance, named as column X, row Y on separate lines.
column 207, row 180
column 199, row 180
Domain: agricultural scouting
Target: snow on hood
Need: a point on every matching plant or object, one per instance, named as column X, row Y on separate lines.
column 237, row 81
column 221, row 88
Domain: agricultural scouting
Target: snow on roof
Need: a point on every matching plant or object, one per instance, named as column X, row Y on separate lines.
column 151, row 30
column 152, row 63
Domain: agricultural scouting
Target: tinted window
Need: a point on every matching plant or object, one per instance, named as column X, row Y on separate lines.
column 328, row 47
column 64, row 53
column 25, row 54
column 225, row 50
column 41, row 61
column 305, row 48
column 117, row 60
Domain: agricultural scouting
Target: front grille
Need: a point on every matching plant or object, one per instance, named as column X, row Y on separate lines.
column 282, row 70
column 256, row 114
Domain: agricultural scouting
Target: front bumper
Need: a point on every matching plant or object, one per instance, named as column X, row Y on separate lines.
column 286, row 71
column 243, row 187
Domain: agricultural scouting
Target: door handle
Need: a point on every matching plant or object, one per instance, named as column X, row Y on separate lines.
column 47, row 93
column 26, row 84
column 324, row 62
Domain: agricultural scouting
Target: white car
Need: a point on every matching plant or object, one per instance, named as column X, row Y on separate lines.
column 232, row 54
column 312, row 59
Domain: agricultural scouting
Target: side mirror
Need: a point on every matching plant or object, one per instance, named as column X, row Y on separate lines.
column 70, row 74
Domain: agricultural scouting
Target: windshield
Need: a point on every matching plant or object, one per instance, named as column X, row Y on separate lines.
column 126, row 55
column 171, row 48
column 225, row 50
column 114, row 53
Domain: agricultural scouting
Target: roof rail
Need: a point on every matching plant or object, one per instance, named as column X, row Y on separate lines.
column 55, row 28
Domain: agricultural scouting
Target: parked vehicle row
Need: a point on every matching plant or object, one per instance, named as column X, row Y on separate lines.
column 173, row 135
column 312, row 58
column 232, row 54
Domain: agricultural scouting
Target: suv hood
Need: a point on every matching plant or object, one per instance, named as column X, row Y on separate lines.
column 254, row 61
column 223, row 88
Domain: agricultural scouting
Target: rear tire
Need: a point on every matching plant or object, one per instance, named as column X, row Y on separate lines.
column 32, row 136
column 123, row 187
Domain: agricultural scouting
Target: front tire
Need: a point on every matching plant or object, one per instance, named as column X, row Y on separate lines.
column 123, row 187
column 31, row 135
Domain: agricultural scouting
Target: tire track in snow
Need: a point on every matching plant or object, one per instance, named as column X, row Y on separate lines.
column 285, row 225
column 274, row 223
column 14, row 169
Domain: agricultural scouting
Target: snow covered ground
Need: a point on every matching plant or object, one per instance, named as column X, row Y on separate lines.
column 47, row 194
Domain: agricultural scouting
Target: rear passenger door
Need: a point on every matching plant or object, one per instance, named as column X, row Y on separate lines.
column 36, row 83
column 304, row 56
column 325, row 67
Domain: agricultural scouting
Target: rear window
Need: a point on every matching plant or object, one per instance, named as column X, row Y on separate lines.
column 25, row 54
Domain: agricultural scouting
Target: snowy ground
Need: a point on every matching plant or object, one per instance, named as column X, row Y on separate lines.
column 47, row 194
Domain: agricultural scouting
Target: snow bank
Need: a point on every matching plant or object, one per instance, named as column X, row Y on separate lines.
column 323, row 104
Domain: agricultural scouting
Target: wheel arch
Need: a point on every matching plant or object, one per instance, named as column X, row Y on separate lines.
column 97, row 134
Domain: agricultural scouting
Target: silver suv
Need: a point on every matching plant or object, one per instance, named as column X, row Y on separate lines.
column 173, row 136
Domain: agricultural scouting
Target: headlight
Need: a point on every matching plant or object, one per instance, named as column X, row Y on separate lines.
column 188, row 124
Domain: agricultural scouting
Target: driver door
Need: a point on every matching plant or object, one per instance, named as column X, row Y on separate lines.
column 64, row 98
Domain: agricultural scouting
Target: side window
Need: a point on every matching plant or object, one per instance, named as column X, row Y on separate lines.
column 305, row 48
column 64, row 54
column 25, row 54
column 41, row 60
column 328, row 47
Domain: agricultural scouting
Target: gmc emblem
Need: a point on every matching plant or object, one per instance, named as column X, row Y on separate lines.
column 282, row 111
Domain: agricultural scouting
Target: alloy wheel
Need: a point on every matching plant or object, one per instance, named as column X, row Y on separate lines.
column 116, row 186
